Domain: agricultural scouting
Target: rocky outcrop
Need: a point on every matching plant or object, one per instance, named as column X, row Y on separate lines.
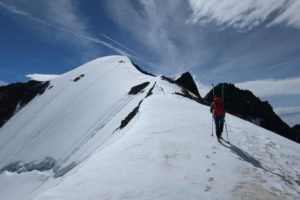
column 187, row 84
column 186, row 80
column 297, row 128
column 141, row 70
column 244, row 104
column 132, row 114
column 16, row 95
column 138, row 88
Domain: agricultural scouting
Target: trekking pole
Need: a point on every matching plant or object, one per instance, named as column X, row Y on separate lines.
column 212, row 126
column 212, row 117
column 223, row 92
column 223, row 107
column 226, row 131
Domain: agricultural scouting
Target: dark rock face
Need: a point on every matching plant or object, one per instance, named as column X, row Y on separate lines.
column 244, row 104
column 138, row 88
column 150, row 92
column 18, row 95
column 297, row 128
column 185, row 94
column 186, row 80
column 187, row 83
column 141, row 70
column 132, row 114
column 168, row 79
column 78, row 78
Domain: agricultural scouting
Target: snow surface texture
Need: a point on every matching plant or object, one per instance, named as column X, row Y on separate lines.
column 67, row 144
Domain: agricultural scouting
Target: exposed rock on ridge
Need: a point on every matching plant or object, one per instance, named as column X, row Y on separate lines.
column 17, row 95
column 186, row 80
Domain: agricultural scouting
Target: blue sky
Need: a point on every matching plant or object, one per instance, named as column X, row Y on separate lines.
column 252, row 43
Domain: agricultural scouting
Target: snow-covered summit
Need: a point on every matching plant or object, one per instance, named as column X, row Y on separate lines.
column 107, row 131
column 74, row 104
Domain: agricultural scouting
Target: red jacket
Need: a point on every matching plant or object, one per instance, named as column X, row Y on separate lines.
column 217, row 107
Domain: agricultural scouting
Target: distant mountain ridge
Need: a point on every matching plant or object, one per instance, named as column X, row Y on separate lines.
column 244, row 104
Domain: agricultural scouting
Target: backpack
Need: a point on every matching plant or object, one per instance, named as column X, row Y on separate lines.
column 218, row 107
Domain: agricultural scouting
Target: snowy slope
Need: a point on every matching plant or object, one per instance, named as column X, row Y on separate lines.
column 72, row 118
column 165, row 152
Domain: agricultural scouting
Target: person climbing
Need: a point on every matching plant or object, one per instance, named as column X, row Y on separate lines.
column 217, row 109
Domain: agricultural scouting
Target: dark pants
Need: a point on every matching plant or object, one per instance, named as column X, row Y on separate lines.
column 219, row 122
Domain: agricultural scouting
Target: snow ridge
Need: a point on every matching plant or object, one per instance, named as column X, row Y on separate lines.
column 163, row 150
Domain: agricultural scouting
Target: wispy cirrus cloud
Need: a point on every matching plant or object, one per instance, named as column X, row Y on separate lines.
column 159, row 28
column 247, row 14
column 289, row 114
column 15, row 10
column 285, row 111
column 2, row 83
column 10, row 73
column 290, row 16
column 66, row 22
column 57, row 21
column 122, row 45
column 271, row 87
column 176, row 46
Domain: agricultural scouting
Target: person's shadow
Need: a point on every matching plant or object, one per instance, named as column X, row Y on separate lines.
column 250, row 159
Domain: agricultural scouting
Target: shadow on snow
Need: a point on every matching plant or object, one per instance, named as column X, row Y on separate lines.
column 250, row 159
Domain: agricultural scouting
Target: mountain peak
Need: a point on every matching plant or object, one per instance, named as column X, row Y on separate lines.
column 186, row 80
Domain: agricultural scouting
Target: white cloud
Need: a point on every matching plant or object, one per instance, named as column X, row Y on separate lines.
column 10, row 73
column 291, row 115
column 98, row 41
column 146, row 24
column 271, row 87
column 42, row 77
column 287, row 110
column 122, row 45
column 159, row 28
column 290, row 16
column 13, row 9
column 2, row 83
column 66, row 22
column 59, row 21
column 246, row 14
